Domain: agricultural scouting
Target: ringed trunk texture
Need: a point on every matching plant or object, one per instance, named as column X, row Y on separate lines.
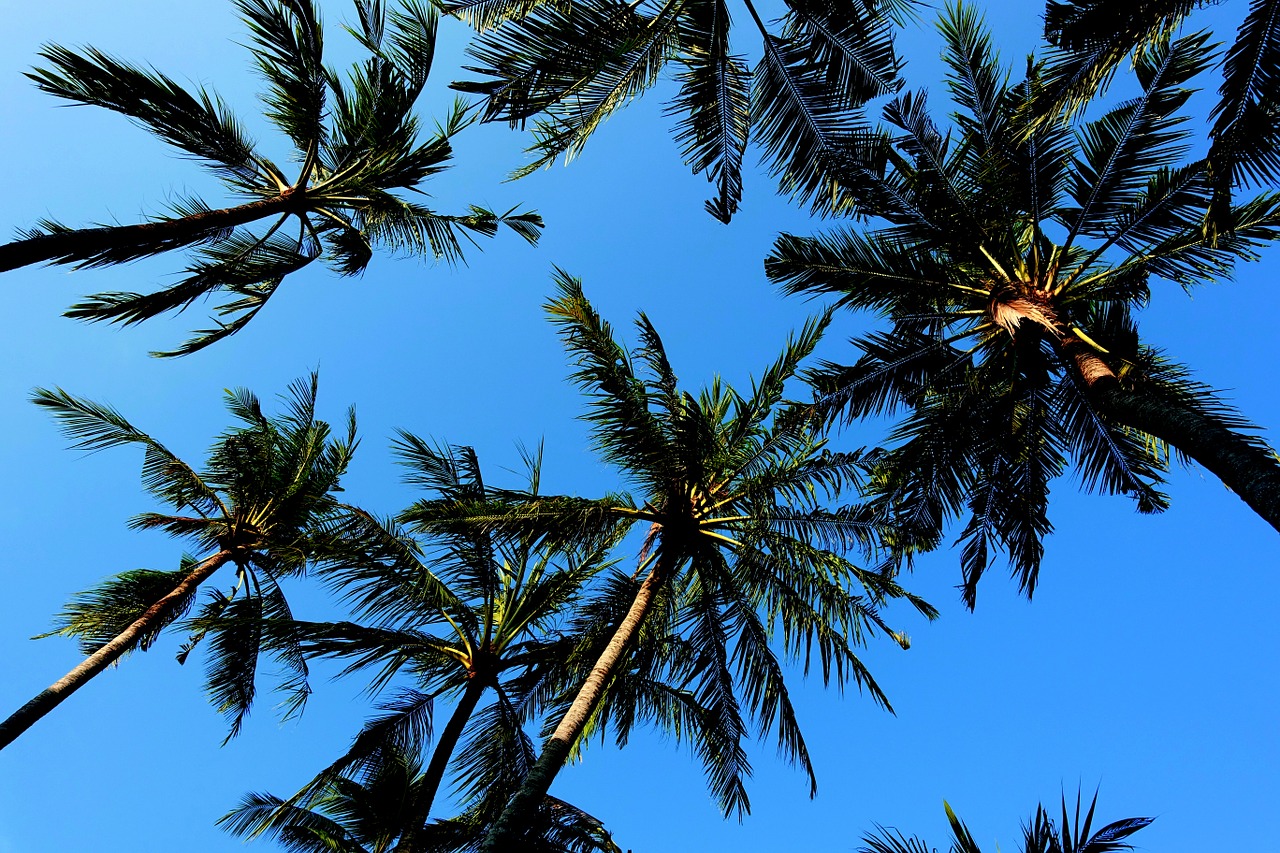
column 445, row 745
column 1243, row 463
column 52, row 696
column 85, row 243
column 504, row 836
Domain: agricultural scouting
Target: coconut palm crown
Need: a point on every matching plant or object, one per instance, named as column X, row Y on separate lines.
column 467, row 617
column 356, row 141
column 740, row 554
column 368, row 812
column 568, row 67
column 261, row 506
column 1014, row 259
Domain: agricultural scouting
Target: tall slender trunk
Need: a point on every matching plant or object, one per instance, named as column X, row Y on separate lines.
column 52, row 696
column 1243, row 463
column 505, row 833
column 85, row 243
column 445, row 745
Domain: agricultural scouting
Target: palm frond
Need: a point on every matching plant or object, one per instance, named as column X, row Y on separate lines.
column 95, row 426
column 97, row 616
column 820, row 149
column 548, row 56
column 713, row 102
column 298, row 830
column 630, row 67
column 199, row 124
column 1092, row 38
column 289, row 51
column 852, row 41
column 484, row 15
column 625, row 430
column 1246, row 144
column 1120, row 150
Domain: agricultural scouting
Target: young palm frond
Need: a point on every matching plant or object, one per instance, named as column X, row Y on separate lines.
column 260, row 505
column 356, row 139
column 1039, row 835
column 569, row 66
column 1015, row 255
column 743, row 567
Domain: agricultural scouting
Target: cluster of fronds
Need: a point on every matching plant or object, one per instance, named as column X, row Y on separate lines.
column 568, row 67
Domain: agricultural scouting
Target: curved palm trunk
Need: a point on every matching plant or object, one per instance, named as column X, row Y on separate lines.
column 85, row 243
column 1243, row 463
column 505, row 834
column 440, row 757
column 52, row 696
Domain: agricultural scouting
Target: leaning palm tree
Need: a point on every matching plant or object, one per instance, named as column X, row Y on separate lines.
column 1040, row 835
column 466, row 616
column 1092, row 38
column 1011, row 263
column 356, row 140
column 739, row 551
column 259, row 507
column 570, row 66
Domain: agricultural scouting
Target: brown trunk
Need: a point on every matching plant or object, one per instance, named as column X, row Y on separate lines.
column 430, row 783
column 52, row 696
column 84, row 244
column 505, row 834
column 1244, row 463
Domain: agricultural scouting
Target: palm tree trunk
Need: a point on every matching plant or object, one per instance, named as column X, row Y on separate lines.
column 431, row 780
column 85, row 243
column 1244, row 463
column 52, row 696
column 505, row 833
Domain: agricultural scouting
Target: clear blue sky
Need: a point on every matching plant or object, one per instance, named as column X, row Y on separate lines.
column 1146, row 662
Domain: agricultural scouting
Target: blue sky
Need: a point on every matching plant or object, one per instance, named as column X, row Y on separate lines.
column 1145, row 663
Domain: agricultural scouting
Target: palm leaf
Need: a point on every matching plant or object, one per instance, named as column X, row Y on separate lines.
column 713, row 102
column 199, row 124
column 289, row 47
column 95, row 426
column 810, row 135
column 1092, row 37
column 1246, row 143
column 98, row 615
column 630, row 67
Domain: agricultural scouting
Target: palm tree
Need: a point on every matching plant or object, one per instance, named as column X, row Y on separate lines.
column 372, row 813
column 268, row 485
column 1038, row 836
column 739, row 551
column 570, row 67
column 496, row 601
column 364, row 815
column 1092, row 38
column 357, row 142
column 1009, row 270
